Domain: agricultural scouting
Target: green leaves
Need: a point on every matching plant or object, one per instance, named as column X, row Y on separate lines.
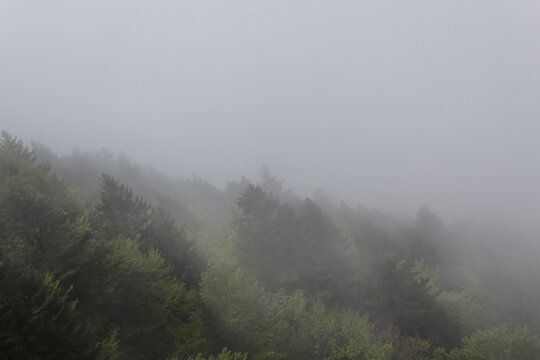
column 284, row 281
column 67, row 294
column 242, row 312
column 286, row 246
column 285, row 326
column 500, row 343
column 136, row 293
column 41, row 220
column 225, row 354
column 39, row 318
column 337, row 335
column 120, row 214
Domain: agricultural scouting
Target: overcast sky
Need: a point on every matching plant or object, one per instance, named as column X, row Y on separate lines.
column 391, row 104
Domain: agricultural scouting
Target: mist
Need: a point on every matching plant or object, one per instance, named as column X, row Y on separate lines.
column 392, row 105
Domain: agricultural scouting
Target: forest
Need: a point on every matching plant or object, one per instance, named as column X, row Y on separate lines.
column 103, row 258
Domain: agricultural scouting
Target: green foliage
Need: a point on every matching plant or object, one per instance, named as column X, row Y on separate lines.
column 164, row 235
column 218, row 245
column 41, row 221
column 408, row 301
column 108, row 349
column 225, row 354
column 407, row 348
column 122, row 303
column 500, row 343
column 135, row 293
column 337, row 335
column 126, row 284
column 295, row 248
column 242, row 312
column 465, row 311
column 40, row 319
column 120, row 213
column 263, row 239
column 461, row 304
column 15, row 148
column 280, row 326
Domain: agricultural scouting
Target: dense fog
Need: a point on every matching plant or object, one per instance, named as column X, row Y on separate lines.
column 251, row 180
column 388, row 104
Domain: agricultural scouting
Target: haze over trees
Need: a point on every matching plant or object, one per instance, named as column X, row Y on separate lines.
column 91, row 269
column 269, row 180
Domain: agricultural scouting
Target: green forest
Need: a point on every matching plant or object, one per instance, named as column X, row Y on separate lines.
column 102, row 258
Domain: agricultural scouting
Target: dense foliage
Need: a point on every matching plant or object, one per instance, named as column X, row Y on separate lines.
column 249, row 272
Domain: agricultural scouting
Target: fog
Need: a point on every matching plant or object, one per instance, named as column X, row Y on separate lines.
column 388, row 104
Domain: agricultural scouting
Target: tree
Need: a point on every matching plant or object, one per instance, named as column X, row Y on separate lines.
column 270, row 183
column 266, row 230
column 288, row 247
column 318, row 252
column 403, row 299
column 121, row 214
column 407, row 348
column 41, row 220
column 500, row 343
column 430, row 241
column 242, row 313
column 135, row 293
column 40, row 320
column 336, row 335
column 225, row 354
column 164, row 235
column 67, row 293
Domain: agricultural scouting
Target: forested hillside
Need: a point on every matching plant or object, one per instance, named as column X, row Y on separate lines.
column 101, row 258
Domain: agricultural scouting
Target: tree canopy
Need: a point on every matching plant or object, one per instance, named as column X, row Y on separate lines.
column 108, row 273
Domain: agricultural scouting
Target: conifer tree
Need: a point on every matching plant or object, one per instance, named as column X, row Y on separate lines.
column 118, row 211
column 121, row 214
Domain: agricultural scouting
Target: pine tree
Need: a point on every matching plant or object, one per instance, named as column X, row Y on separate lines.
column 119, row 212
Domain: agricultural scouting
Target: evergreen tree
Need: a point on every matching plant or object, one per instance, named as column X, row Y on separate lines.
column 120, row 214
column 265, row 232
column 407, row 301
column 40, row 320
column 289, row 247
column 155, row 316
column 65, row 293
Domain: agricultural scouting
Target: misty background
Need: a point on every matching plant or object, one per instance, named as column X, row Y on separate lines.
column 388, row 104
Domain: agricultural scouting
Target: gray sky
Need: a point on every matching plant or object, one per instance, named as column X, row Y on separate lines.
column 392, row 104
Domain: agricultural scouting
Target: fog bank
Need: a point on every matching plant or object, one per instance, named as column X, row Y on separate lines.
column 392, row 105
